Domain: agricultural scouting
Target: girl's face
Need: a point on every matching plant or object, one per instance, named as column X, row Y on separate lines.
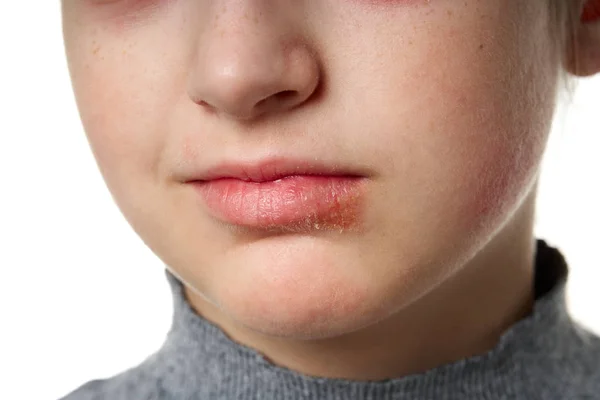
column 444, row 105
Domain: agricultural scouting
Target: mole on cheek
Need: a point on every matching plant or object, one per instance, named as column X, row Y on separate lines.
column 95, row 48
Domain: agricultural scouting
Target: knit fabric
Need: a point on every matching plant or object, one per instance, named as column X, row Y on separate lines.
column 545, row 356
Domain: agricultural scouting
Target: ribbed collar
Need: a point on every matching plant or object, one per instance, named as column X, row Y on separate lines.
column 203, row 361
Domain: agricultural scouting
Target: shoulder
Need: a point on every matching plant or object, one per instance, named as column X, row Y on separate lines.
column 587, row 364
column 144, row 381
column 126, row 386
column 578, row 369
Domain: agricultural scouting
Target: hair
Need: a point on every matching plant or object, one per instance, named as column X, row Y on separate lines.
column 564, row 15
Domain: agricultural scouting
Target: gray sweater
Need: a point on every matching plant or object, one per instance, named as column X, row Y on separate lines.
column 544, row 356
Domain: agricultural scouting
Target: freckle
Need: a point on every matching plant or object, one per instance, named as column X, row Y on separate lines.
column 450, row 13
column 96, row 50
column 481, row 46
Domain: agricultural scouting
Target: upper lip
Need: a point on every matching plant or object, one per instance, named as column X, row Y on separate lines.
column 273, row 169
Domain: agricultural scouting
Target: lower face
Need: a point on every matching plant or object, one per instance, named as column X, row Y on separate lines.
column 448, row 103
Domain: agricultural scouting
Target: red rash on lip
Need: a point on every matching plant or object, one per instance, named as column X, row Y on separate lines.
column 343, row 213
column 293, row 204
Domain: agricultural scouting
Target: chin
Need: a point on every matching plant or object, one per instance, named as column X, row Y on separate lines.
column 302, row 291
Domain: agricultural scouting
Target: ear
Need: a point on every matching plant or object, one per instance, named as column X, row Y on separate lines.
column 584, row 50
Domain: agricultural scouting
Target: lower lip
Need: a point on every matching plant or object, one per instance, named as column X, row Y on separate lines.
column 298, row 203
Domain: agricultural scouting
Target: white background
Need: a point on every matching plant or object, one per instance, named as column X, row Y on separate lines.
column 81, row 297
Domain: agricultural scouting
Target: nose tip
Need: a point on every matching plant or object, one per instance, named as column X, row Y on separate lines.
column 258, row 79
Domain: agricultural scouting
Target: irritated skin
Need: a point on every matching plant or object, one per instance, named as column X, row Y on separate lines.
column 449, row 103
column 300, row 204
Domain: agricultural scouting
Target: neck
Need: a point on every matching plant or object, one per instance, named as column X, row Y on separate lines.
column 462, row 317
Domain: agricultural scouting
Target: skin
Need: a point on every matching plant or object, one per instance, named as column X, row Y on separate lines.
column 448, row 103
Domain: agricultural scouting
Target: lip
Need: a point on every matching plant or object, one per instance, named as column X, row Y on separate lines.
column 273, row 169
column 284, row 194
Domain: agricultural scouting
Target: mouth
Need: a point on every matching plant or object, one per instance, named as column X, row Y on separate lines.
column 275, row 169
column 284, row 195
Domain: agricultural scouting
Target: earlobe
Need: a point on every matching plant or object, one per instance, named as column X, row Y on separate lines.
column 584, row 50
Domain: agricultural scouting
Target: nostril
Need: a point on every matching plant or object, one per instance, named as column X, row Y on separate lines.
column 281, row 97
column 286, row 94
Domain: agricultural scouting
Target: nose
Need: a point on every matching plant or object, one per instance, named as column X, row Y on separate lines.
column 249, row 63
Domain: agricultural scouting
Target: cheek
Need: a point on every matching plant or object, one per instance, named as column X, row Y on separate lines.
column 124, row 94
column 490, row 128
column 112, row 7
column 466, row 150
column 122, row 16
column 497, row 163
column 494, row 181
column 122, row 129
